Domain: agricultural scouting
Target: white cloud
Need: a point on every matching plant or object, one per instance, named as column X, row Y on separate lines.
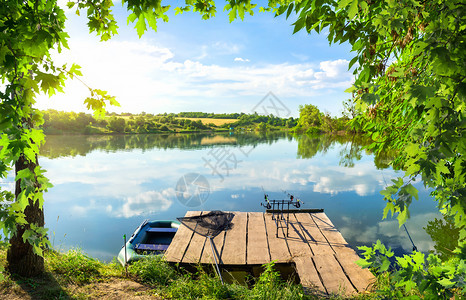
column 145, row 76
column 332, row 69
column 242, row 59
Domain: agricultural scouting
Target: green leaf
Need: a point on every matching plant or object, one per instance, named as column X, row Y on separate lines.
column 75, row 71
column 352, row 62
column 351, row 89
column 412, row 169
column 363, row 263
column 403, row 216
column 27, row 234
column 290, row 9
column 445, row 282
column 24, row 174
column 232, row 14
column 410, row 189
column 353, row 10
column 299, row 24
column 385, row 265
column 412, row 149
column 141, row 25
column 389, row 207
column 418, row 258
column 370, row 98
column 442, row 168
column 37, row 250
column 343, row 4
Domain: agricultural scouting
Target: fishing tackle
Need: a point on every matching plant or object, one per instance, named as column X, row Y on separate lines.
column 298, row 202
column 266, row 204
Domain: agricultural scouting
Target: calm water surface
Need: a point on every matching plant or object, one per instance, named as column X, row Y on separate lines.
column 104, row 186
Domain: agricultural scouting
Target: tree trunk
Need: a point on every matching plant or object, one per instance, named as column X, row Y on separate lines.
column 20, row 256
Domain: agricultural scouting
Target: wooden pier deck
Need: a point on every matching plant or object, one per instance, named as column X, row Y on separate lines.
column 323, row 260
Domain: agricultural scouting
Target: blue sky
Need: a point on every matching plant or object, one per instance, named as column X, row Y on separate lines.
column 191, row 64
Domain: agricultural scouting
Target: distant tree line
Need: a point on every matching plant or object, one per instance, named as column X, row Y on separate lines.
column 311, row 120
column 250, row 119
column 58, row 122
column 208, row 115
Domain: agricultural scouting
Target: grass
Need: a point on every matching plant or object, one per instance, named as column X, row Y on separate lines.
column 75, row 275
column 74, row 266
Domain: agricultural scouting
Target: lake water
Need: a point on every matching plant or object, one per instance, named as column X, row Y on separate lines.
column 105, row 186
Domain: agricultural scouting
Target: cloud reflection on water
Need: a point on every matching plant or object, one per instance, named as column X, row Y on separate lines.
column 389, row 231
column 147, row 203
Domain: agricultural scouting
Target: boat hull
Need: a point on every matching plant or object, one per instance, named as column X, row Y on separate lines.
column 150, row 238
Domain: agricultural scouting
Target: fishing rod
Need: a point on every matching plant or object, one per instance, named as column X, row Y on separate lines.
column 298, row 202
column 266, row 204
column 414, row 246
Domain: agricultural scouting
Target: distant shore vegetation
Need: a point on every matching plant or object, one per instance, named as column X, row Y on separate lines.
column 311, row 120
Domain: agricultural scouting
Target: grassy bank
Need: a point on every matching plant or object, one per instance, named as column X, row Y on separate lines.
column 74, row 275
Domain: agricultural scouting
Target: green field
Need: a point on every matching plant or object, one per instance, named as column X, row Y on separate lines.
column 216, row 122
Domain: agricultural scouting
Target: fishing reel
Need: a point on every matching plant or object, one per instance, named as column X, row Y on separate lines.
column 267, row 204
column 296, row 204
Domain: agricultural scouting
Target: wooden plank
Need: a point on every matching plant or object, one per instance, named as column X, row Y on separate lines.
column 277, row 246
column 308, row 275
column 333, row 277
column 332, row 234
column 234, row 248
column 257, row 246
column 314, row 236
column 217, row 242
column 180, row 242
column 361, row 278
column 195, row 248
column 297, row 241
column 295, row 211
column 346, row 256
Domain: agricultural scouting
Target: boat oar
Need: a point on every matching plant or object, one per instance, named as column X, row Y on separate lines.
column 215, row 258
column 126, row 261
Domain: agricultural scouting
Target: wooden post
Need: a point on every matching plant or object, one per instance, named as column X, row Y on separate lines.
column 126, row 260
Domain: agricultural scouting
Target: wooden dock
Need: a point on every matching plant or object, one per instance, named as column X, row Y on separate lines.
column 322, row 258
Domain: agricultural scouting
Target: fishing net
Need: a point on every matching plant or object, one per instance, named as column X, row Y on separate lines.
column 209, row 225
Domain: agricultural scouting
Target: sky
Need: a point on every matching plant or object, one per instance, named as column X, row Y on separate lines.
column 191, row 64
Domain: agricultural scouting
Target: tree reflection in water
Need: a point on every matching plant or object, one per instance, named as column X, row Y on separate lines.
column 72, row 145
column 444, row 235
